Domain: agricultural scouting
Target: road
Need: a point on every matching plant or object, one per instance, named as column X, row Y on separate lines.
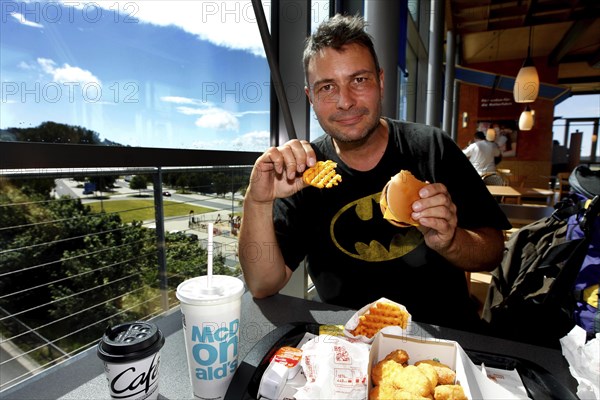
column 15, row 370
column 225, row 243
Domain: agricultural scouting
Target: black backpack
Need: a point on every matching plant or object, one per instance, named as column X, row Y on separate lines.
column 531, row 297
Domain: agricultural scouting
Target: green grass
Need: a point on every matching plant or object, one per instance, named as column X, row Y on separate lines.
column 143, row 210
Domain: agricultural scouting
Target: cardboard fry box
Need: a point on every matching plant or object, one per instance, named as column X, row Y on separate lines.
column 391, row 329
column 475, row 383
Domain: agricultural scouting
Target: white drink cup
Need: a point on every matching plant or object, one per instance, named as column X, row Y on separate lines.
column 131, row 355
column 211, row 325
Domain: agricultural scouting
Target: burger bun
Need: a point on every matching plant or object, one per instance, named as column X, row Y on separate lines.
column 397, row 197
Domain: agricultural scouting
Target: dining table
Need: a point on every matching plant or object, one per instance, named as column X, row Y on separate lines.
column 82, row 376
column 518, row 193
column 503, row 192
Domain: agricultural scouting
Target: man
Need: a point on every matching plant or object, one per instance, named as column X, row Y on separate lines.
column 482, row 153
column 354, row 256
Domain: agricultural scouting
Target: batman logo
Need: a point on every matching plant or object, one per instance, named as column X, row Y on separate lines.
column 369, row 231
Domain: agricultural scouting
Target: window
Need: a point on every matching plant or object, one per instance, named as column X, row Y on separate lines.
column 579, row 114
column 152, row 74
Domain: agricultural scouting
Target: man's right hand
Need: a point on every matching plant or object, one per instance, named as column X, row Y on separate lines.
column 277, row 173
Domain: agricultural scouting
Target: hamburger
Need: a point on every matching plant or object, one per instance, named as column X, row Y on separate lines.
column 397, row 197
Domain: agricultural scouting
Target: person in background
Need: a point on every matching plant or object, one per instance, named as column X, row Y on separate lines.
column 353, row 255
column 483, row 154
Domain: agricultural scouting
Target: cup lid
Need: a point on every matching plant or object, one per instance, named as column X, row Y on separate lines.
column 223, row 289
column 130, row 341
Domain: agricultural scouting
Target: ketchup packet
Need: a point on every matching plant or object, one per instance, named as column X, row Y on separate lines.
column 284, row 365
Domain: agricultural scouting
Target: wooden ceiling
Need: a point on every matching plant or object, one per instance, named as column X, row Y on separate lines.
column 565, row 33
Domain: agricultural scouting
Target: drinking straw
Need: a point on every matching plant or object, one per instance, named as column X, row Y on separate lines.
column 209, row 270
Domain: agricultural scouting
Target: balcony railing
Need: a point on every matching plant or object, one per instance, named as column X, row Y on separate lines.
column 72, row 264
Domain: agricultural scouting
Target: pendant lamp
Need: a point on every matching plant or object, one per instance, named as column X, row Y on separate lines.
column 527, row 83
column 526, row 119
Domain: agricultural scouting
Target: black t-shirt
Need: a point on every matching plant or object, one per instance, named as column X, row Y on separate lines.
column 355, row 257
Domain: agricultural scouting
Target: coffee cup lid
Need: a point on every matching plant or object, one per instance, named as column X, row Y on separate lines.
column 223, row 289
column 130, row 341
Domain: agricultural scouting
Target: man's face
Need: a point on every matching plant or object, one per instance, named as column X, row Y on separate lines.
column 345, row 92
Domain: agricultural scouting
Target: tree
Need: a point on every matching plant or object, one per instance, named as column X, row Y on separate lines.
column 138, row 182
column 221, row 183
column 53, row 132
column 61, row 262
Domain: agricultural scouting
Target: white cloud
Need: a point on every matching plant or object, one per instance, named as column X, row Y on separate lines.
column 211, row 117
column 25, row 66
column 179, row 100
column 251, row 141
column 229, row 24
column 219, row 119
column 193, row 111
column 23, row 21
column 67, row 73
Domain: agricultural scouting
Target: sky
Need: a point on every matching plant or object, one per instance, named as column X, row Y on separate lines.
column 176, row 74
column 180, row 74
column 581, row 106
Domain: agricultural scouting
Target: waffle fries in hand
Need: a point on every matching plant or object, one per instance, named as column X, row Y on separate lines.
column 322, row 175
column 378, row 316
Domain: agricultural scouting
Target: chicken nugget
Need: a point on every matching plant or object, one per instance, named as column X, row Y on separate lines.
column 449, row 392
column 383, row 392
column 400, row 356
column 413, row 380
column 446, row 375
column 389, row 392
column 385, row 371
column 430, row 373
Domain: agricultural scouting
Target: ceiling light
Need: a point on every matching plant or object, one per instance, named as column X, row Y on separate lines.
column 526, row 119
column 527, row 83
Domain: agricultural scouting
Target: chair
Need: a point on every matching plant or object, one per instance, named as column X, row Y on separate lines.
column 517, row 180
column 493, row 178
column 562, row 186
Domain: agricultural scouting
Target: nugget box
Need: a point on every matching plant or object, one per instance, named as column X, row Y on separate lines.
column 475, row 383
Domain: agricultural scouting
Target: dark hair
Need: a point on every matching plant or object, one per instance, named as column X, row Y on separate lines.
column 336, row 32
column 479, row 135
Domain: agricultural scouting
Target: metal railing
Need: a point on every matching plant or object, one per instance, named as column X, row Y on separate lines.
column 73, row 264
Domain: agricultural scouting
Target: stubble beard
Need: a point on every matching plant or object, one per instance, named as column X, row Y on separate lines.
column 339, row 136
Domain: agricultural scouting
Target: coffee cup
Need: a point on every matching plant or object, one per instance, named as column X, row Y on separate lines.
column 131, row 355
column 210, row 309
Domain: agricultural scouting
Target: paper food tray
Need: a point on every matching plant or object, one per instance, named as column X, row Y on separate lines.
column 539, row 383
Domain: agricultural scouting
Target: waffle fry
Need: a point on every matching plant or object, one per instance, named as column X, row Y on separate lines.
column 322, row 175
column 379, row 316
